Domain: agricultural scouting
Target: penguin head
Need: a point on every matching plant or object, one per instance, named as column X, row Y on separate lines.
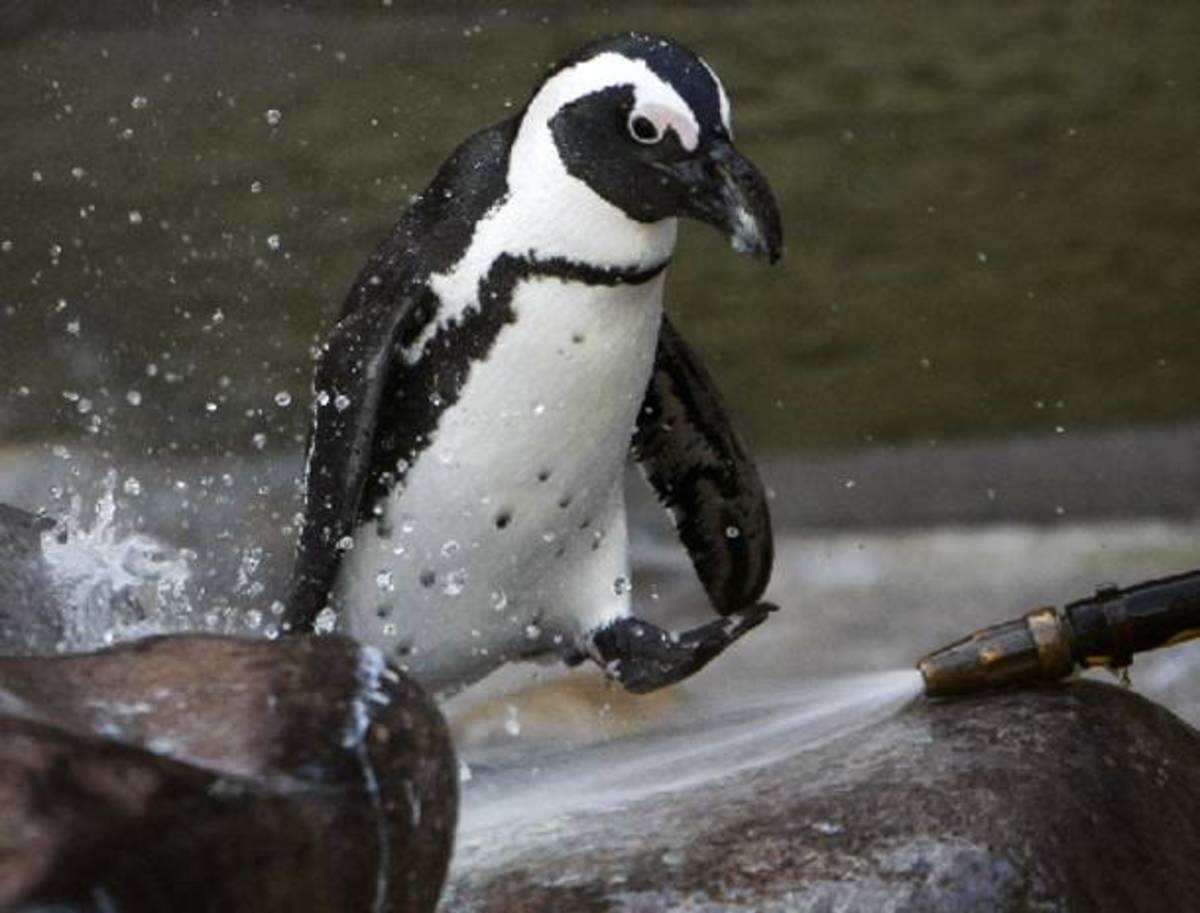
column 645, row 124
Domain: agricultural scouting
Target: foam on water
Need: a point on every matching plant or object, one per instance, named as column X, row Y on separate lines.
column 715, row 740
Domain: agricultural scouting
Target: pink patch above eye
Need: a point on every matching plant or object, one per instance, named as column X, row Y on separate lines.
column 666, row 117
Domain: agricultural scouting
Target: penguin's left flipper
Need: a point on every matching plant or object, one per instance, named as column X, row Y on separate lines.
column 351, row 378
column 643, row 657
column 704, row 476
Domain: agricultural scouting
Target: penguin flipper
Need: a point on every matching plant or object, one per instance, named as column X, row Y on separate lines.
column 351, row 378
column 704, row 476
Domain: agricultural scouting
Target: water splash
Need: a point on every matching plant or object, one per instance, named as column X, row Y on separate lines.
column 115, row 584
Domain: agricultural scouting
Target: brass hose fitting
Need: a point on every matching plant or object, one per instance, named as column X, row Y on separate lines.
column 1048, row 643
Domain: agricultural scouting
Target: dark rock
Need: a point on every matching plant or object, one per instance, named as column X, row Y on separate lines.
column 29, row 619
column 207, row 773
column 1075, row 798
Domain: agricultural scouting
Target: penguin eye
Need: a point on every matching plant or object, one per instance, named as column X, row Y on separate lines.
column 644, row 130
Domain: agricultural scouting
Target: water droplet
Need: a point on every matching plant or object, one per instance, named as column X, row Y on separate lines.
column 78, row 173
column 341, row 402
column 132, row 487
column 256, row 186
column 620, row 585
column 385, row 582
column 407, row 526
column 539, row 409
column 449, row 548
column 456, row 582
column 732, row 532
column 135, row 217
column 259, row 440
column 254, row 619
column 138, row 102
column 326, row 621
column 533, row 632
column 134, row 398
column 283, row 398
column 276, row 607
column 464, row 769
column 273, row 116
column 512, row 725
column 274, row 242
column 499, row 600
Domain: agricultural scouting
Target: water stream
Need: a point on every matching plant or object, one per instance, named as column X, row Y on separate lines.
column 704, row 742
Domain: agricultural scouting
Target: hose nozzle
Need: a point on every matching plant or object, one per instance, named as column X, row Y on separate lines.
column 1048, row 643
column 1033, row 648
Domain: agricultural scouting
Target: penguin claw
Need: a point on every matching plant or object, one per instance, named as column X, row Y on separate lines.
column 643, row 657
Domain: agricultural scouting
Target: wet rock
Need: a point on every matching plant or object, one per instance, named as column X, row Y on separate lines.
column 206, row 773
column 29, row 620
column 1082, row 797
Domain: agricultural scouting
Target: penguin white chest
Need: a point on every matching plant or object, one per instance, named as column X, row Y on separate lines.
column 507, row 536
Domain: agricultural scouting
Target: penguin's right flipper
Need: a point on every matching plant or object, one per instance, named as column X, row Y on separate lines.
column 643, row 657
column 704, row 476
column 351, row 379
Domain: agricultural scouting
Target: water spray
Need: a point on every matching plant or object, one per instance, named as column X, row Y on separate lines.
column 1049, row 643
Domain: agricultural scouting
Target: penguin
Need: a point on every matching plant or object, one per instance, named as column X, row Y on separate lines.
column 499, row 359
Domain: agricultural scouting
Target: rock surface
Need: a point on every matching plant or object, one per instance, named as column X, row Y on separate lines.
column 1082, row 797
column 207, row 773
column 29, row 620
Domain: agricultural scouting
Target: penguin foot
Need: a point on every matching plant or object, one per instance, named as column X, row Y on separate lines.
column 643, row 657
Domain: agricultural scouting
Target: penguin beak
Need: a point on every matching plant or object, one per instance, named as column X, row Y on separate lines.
column 725, row 190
